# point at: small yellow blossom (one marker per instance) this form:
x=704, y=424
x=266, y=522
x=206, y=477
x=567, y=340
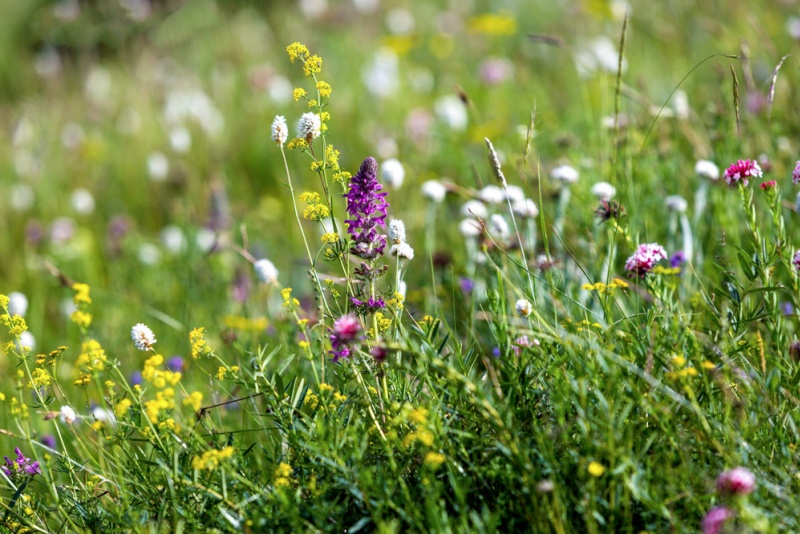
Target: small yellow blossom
x=708, y=365
x=680, y=361
x=492, y=24
x=330, y=238
x=81, y=294
x=309, y=197
x=297, y=51
x=596, y=469
x=81, y=318
x=419, y=416
x=299, y=93
x=4, y=300
x=312, y=65
x=324, y=89
x=122, y=407
x=211, y=459
x=195, y=400
x=316, y=212
x=198, y=342
x=40, y=378
x=297, y=143
x=434, y=460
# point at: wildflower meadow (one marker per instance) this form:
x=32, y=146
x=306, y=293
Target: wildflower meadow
x=387, y=266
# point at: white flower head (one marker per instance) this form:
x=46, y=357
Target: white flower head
x=68, y=415
x=676, y=203
x=470, y=228
x=434, y=190
x=499, y=226
x=143, y=338
x=492, y=194
x=17, y=304
x=451, y=111
x=515, y=194
x=266, y=271
x=180, y=139
x=393, y=173
x=173, y=239
x=397, y=231
x=82, y=201
x=26, y=341
x=604, y=191
x=402, y=251
x=565, y=174
x=527, y=208
x=707, y=169
x=157, y=166
x=280, y=132
x=524, y=307
x=309, y=126
x=474, y=208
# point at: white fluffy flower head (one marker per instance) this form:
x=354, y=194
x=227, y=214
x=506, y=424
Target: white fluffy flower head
x=676, y=203
x=280, y=132
x=499, y=226
x=527, y=208
x=604, y=191
x=68, y=415
x=524, y=307
x=397, y=231
x=266, y=271
x=474, y=208
x=393, y=173
x=17, y=303
x=143, y=338
x=402, y=251
x=492, y=194
x=565, y=174
x=434, y=190
x=707, y=169
x=309, y=126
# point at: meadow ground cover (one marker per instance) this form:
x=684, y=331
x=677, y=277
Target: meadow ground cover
x=386, y=266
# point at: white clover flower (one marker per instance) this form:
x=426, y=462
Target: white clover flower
x=707, y=169
x=499, y=226
x=402, y=251
x=180, y=139
x=604, y=191
x=527, y=208
x=17, y=304
x=280, y=132
x=68, y=415
x=82, y=201
x=492, y=194
x=524, y=307
x=266, y=271
x=434, y=190
x=143, y=338
x=676, y=203
x=470, y=228
x=515, y=194
x=393, y=173
x=309, y=126
x=397, y=231
x=565, y=174
x=474, y=208
x=157, y=167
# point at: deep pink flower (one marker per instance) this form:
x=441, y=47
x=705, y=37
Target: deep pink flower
x=715, y=518
x=343, y=334
x=769, y=184
x=645, y=258
x=737, y=481
x=742, y=170
x=796, y=174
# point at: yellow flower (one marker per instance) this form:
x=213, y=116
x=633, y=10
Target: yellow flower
x=708, y=365
x=316, y=212
x=680, y=361
x=596, y=469
x=40, y=378
x=211, y=459
x=195, y=400
x=122, y=407
x=313, y=65
x=330, y=238
x=434, y=460
x=419, y=416
x=324, y=89
x=81, y=294
x=299, y=93
x=309, y=197
x=198, y=342
x=297, y=51
x=4, y=300
x=492, y=24
x=81, y=318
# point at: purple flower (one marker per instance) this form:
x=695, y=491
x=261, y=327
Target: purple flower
x=787, y=308
x=366, y=206
x=343, y=334
x=741, y=171
x=796, y=174
x=48, y=440
x=645, y=258
x=370, y=305
x=466, y=284
x=796, y=261
x=737, y=481
x=496, y=352
x=677, y=259
x=20, y=465
x=176, y=364
x=715, y=518
x=136, y=378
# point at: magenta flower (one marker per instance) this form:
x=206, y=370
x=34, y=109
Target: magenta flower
x=343, y=334
x=768, y=185
x=645, y=258
x=20, y=465
x=796, y=261
x=742, y=170
x=715, y=518
x=737, y=481
x=796, y=174
x=366, y=206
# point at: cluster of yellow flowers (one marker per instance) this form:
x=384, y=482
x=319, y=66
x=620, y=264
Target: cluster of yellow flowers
x=158, y=377
x=82, y=301
x=283, y=475
x=602, y=288
x=92, y=359
x=211, y=459
x=198, y=341
x=316, y=210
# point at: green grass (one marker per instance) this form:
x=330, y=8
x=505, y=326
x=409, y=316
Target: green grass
x=607, y=409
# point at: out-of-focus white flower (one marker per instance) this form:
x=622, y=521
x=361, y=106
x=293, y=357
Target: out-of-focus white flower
x=393, y=173
x=149, y=254
x=62, y=229
x=474, y=208
x=381, y=76
x=793, y=27
x=280, y=132
x=82, y=201
x=68, y=307
x=676, y=203
x=157, y=166
x=104, y=415
x=173, y=239
x=470, y=228
x=400, y=21
x=98, y=85
x=366, y=6
x=72, y=135
x=21, y=197
x=313, y=9
x=48, y=63
x=514, y=194
x=604, y=191
x=492, y=194
x=180, y=139
x=452, y=112
x=707, y=169
x=397, y=231
x=68, y=415
x=599, y=54
x=524, y=307
x=434, y=190
x=280, y=89
x=527, y=208
x=266, y=271
x=565, y=174
x=680, y=103
x=498, y=226
x=26, y=341
x=17, y=303
x=206, y=239
x=403, y=251
x=143, y=338
x=309, y=126
x=183, y=104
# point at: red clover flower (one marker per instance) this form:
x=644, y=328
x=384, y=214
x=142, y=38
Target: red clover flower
x=737, y=481
x=715, y=518
x=645, y=258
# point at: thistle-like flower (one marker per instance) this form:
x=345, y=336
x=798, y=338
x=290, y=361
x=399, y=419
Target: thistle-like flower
x=742, y=170
x=397, y=231
x=143, y=338
x=737, y=481
x=676, y=203
x=366, y=206
x=280, y=132
x=403, y=251
x=344, y=333
x=715, y=518
x=645, y=258
x=796, y=261
x=309, y=126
